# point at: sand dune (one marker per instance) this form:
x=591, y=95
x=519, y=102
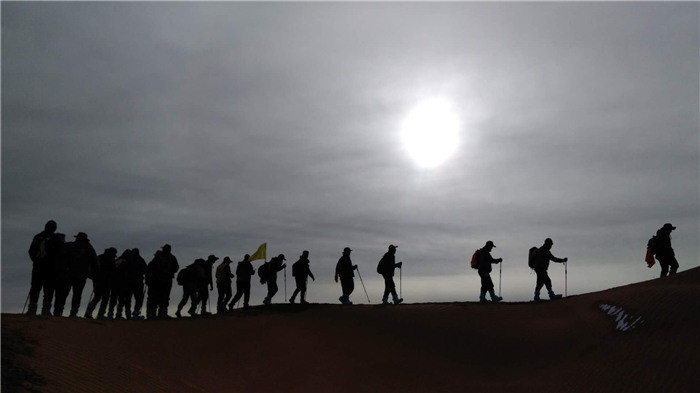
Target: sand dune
x=571, y=345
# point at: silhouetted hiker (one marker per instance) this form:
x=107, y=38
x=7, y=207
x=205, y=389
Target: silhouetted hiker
x=542, y=258
x=135, y=274
x=202, y=290
x=663, y=250
x=223, y=284
x=244, y=271
x=386, y=267
x=119, y=287
x=344, y=270
x=484, y=262
x=101, y=275
x=159, y=277
x=301, y=272
x=192, y=277
x=276, y=264
x=78, y=256
x=43, y=251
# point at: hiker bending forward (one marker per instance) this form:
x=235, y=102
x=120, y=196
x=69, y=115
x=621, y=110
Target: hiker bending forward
x=276, y=265
x=244, y=271
x=544, y=255
x=386, y=268
x=484, y=262
x=301, y=273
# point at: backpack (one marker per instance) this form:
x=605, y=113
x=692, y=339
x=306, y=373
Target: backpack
x=262, y=272
x=220, y=273
x=184, y=275
x=532, y=258
x=475, y=260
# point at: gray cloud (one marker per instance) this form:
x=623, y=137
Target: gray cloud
x=218, y=126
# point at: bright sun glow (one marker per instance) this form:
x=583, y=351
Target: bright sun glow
x=430, y=133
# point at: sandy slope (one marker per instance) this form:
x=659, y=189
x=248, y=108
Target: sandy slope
x=567, y=345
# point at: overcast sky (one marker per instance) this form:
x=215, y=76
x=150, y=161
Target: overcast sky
x=216, y=127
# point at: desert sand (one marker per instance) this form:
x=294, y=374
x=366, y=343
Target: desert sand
x=642, y=337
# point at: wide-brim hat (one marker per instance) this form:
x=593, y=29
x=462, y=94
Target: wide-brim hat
x=214, y=257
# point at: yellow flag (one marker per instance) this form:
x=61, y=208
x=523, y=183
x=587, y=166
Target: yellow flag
x=260, y=254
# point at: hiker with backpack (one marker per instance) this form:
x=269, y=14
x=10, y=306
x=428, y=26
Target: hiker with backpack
x=135, y=273
x=275, y=265
x=119, y=288
x=191, y=278
x=484, y=260
x=76, y=257
x=43, y=251
x=663, y=251
x=244, y=271
x=207, y=284
x=386, y=267
x=223, y=284
x=301, y=272
x=344, y=270
x=538, y=259
x=159, y=277
x=101, y=275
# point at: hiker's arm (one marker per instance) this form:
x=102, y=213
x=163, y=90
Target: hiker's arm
x=33, y=249
x=558, y=260
x=312, y=275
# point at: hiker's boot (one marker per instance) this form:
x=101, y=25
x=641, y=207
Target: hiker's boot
x=127, y=311
x=31, y=310
x=177, y=313
x=482, y=298
x=46, y=310
x=494, y=297
x=57, y=311
x=554, y=296
x=119, y=314
x=73, y=313
x=266, y=301
x=291, y=300
x=385, y=300
x=163, y=313
x=341, y=300
x=303, y=300
x=192, y=311
x=137, y=315
x=151, y=313
x=397, y=300
x=204, y=310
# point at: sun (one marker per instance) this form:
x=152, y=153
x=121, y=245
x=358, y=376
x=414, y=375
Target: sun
x=430, y=133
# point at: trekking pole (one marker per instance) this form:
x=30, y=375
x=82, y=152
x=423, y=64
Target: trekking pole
x=26, y=301
x=566, y=279
x=285, y=284
x=363, y=284
x=401, y=281
x=500, y=271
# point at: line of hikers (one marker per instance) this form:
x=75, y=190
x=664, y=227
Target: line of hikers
x=60, y=267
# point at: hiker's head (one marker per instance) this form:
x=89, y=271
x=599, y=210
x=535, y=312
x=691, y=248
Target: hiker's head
x=246, y=257
x=489, y=245
x=227, y=260
x=166, y=248
x=212, y=258
x=135, y=252
x=346, y=250
x=668, y=227
x=126, y=253
x=111, y=251
x=81, y=236
x=548, y=242
x=392, y=249
x=50, y=226
x=281, y=257
x=305, y=254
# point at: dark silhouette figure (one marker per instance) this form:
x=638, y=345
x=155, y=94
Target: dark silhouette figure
x=344, y=270
x=544, y=255
x=76, y=258
x=119, y=287
x=244, y=271
x=301, y=272
x=135, y=273
x=276, y=265
x=191, y=278
x=43, y=252
x=223, y=284
x=386, y=268
x=159, y=278
x=60, y=275
x=101, y=275
x=202, y=290
x=664, y=252
x=484, y=262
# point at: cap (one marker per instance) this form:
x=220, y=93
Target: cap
x=347, y=249
x=668, y=225
x=166, y=246
x=227, y=259
x=212, y=256
x=81, y=235
x=392, y=246
x=281, y=256
x=490, y=243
